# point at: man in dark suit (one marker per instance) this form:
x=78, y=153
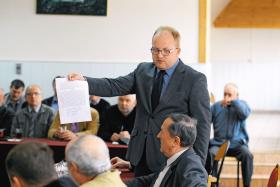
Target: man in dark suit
x=183, y=90
x=183, y=167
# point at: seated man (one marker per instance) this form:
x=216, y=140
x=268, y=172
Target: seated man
x=31, y=164
x=183, y=167
x=14, y=100
x=89, y=163
x=229, y=121
x=72, y=130
x=119, y=119
x=6, y=115
x=52, y=101
x=35, y=119
x=101, y=105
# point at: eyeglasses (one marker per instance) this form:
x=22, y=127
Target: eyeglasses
x=164, y=51
x=35, y=94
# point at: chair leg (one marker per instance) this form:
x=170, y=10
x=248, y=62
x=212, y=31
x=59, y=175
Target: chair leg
x=238, y=163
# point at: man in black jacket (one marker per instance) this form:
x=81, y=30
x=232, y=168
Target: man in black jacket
x=6, y=115
x=119, y=120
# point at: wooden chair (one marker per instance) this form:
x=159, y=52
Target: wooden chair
x=213, y=178
x=232, y=158
x=274, y=177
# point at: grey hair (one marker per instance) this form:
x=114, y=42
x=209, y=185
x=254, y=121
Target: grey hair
x=92, y=158
x=174, y=32
x=231, y=84
x=184, y=127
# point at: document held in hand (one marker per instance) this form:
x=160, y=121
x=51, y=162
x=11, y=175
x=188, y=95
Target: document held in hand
x=73, y=100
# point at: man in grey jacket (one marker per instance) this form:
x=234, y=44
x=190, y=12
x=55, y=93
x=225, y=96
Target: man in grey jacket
x=162, y=87
x=34, y=119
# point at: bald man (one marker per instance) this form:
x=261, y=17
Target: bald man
x=34, y=119
x=89, y=163
x=229, y=121
x=119, y=119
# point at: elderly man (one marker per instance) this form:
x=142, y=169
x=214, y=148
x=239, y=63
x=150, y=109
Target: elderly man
x=6, y=115
x=31, y=164
x=14, y=100
x=89, y=163
x=229, y=121
x=183, y=167
x=119, y=120
x=34, y=119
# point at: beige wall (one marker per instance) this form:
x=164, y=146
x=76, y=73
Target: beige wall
x=124, y=35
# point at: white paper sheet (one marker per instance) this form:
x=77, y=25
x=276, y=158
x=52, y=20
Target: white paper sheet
x=73, y=101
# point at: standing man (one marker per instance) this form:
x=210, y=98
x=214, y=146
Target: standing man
x=14, y=99
x=229, y=121
x=162, y=87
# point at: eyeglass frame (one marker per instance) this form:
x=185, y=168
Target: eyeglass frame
x=164, y=51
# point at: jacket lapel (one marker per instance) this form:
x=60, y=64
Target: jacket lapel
x=148, y=86
x=175, y=81
x=173, y=167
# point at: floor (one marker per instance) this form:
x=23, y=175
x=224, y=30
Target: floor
x=264, y=131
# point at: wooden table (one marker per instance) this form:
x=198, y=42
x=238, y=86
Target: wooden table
x=57, y=147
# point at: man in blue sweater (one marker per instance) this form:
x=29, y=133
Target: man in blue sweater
x=229, y=121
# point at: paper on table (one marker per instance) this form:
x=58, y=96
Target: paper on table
x=73, y=100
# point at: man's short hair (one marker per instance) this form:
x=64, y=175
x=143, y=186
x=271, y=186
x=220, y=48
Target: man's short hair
x=17, y=83
x=32, y=162
x=184, y=127
x=91, y=160
x=173, y=31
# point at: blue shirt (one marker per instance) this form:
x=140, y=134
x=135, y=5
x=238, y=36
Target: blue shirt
x=167, y=75
x=230, y=123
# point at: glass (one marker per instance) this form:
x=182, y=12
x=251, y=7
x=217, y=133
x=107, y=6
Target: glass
x=164, y=51
x=18, y=133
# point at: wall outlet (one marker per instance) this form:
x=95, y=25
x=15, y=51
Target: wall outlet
x=18, y=69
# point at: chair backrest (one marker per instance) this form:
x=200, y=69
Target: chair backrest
x=219, y=157
x=274, y=177
x=222, y=151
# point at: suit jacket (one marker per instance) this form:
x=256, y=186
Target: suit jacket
x=185, y=93
x=115, y=121
x=186, y=171
x=43, y=120
x=87, y=127
x=6, y=119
